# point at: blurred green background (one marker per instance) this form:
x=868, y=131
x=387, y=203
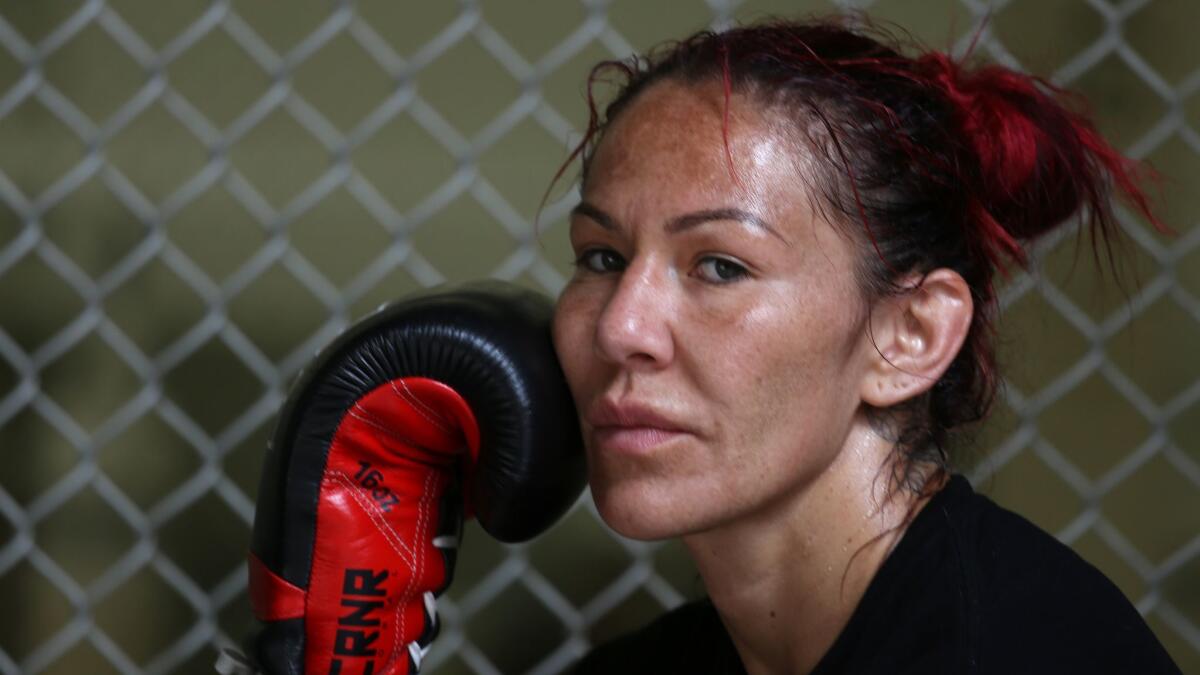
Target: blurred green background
x=196, y=195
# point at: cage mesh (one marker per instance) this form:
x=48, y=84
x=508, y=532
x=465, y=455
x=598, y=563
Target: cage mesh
x=155, y=311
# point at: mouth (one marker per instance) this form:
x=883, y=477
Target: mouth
x=633, y=440
x=632, y=427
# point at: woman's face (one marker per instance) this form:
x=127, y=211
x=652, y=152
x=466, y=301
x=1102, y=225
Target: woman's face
x=713, y=336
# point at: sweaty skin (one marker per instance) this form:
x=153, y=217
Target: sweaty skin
x=719, y=302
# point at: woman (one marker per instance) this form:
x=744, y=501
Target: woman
x=781, y=314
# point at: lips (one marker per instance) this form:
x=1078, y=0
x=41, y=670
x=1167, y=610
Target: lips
x=632, y=427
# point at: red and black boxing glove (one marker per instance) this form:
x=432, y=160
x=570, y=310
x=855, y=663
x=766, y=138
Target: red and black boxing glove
x=440, y=405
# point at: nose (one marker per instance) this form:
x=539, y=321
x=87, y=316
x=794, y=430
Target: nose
x=633, y=330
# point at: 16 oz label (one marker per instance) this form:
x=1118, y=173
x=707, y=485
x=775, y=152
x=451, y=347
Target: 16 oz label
x=371, y=480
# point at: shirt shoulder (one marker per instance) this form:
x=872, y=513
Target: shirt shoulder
x=970, y=588
x=1039, y=607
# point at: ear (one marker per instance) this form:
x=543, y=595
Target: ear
x=916, y=336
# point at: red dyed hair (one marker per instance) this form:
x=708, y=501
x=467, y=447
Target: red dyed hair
x=939, y=164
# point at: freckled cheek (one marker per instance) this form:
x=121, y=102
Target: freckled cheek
x=782, y=364
x=743, y=364
x=573, y=333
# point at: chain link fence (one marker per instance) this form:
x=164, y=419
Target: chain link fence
x=197, y=195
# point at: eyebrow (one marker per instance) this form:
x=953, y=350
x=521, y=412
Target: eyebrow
x=683, y=222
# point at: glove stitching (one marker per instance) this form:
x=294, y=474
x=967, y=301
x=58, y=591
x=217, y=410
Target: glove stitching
x=367, y=417
x=425, y=534
x=416, y=563
x=422, y=519
x=376, y=515
x=385, y=529
x=404, y=595
x=419, y=406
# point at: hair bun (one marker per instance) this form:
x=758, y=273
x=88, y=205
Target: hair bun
x=1038, y=160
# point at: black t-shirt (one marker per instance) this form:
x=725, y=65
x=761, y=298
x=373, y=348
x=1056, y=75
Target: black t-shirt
x=970, y=588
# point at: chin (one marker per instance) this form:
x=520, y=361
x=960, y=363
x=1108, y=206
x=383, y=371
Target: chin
x=637, y=510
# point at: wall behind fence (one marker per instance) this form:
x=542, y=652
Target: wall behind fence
x=195, y=196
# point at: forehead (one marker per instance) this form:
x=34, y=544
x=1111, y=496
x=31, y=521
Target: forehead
x=668, y=149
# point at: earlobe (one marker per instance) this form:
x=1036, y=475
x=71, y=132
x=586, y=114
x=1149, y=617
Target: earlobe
x=916, y=337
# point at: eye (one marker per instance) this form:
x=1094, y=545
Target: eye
x=721, y=270
x=601, y=260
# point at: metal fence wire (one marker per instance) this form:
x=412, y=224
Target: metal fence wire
x=198, y=195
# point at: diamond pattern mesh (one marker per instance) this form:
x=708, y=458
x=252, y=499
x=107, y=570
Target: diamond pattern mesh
x=197, y=195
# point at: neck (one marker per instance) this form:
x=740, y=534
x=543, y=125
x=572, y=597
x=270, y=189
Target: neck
x=785, y=580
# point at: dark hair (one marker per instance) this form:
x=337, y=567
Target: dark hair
x=941, y=165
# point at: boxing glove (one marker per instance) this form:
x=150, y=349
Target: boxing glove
x=446, y=404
